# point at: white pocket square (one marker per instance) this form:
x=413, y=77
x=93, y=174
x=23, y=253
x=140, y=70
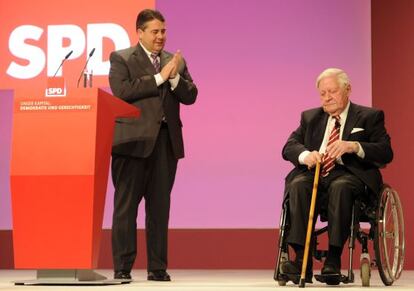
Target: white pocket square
x=356, y=129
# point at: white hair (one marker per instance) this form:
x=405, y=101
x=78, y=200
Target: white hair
x=340, y=75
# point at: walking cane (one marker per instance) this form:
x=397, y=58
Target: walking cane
x=310, y=224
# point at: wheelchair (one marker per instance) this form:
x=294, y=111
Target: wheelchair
x=385, y=217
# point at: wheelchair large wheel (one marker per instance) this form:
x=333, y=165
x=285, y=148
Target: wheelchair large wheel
x=389, y=240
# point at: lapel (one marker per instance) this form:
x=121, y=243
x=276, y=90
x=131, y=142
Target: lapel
x=142, y=60
x=164, y=58
x=351, y=120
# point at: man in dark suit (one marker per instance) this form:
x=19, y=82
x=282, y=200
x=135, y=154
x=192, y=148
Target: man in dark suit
x=146, y=150
x=352, y=144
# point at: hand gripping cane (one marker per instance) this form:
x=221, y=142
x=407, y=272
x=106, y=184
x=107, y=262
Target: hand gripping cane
x=310, y=224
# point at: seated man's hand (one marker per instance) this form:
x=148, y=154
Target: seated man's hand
x=340, y=147
x=312, y=158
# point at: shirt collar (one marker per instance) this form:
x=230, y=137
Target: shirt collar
x=147, y=51
x=343, y=115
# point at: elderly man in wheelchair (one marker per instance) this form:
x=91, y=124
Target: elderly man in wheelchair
x=351, y=143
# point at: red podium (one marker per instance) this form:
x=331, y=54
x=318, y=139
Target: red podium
x=59, y=171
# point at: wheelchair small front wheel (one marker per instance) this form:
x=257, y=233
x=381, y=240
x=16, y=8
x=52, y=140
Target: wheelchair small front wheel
x=365, y=273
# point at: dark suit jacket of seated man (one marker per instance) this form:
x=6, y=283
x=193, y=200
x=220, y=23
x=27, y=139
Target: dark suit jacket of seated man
x=362, y=148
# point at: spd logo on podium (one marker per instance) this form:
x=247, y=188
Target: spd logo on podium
x=55, y=87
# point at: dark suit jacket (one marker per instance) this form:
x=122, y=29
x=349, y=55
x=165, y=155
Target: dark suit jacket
x=131, y=78
x=373, y=138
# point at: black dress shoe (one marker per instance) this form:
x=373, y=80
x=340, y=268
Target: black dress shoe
x=122, y=275
x=331, y=273
x=158, y=275
x=293, y=270
x=330, y=269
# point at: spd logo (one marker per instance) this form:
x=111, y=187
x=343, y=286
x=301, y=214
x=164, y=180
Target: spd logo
x=55, y=87
x=37, y=35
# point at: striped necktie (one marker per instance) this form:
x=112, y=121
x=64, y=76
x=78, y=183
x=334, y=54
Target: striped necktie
x=155, y=62
x=328, y=163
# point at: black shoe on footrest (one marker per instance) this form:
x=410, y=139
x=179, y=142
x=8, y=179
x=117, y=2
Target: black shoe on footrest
x=331, y=273
x=330, y=269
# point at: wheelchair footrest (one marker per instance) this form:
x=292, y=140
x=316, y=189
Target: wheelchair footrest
x=332, y=279
x=294, y=278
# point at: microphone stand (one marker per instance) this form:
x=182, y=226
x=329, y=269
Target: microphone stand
x=85, y=74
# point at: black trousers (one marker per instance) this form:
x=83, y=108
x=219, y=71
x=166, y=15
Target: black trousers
x=151, y=178
x=336, y=192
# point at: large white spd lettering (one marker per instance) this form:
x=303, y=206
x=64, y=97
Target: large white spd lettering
x=20, y=49
x=36, y=58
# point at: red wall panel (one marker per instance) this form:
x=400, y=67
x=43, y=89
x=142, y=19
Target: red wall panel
x=393, y=91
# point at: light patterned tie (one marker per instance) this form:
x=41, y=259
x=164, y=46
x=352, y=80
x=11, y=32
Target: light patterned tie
x=328, y=163
x=155, y=62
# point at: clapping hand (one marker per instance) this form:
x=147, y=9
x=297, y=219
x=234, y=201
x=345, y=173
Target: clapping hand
x=169, y=71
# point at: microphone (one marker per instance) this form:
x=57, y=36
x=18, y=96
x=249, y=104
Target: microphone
x=66, y=57
x=87, y=61
x=91, y=53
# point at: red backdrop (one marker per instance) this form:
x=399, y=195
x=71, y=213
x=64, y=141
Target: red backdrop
x=393, y=91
